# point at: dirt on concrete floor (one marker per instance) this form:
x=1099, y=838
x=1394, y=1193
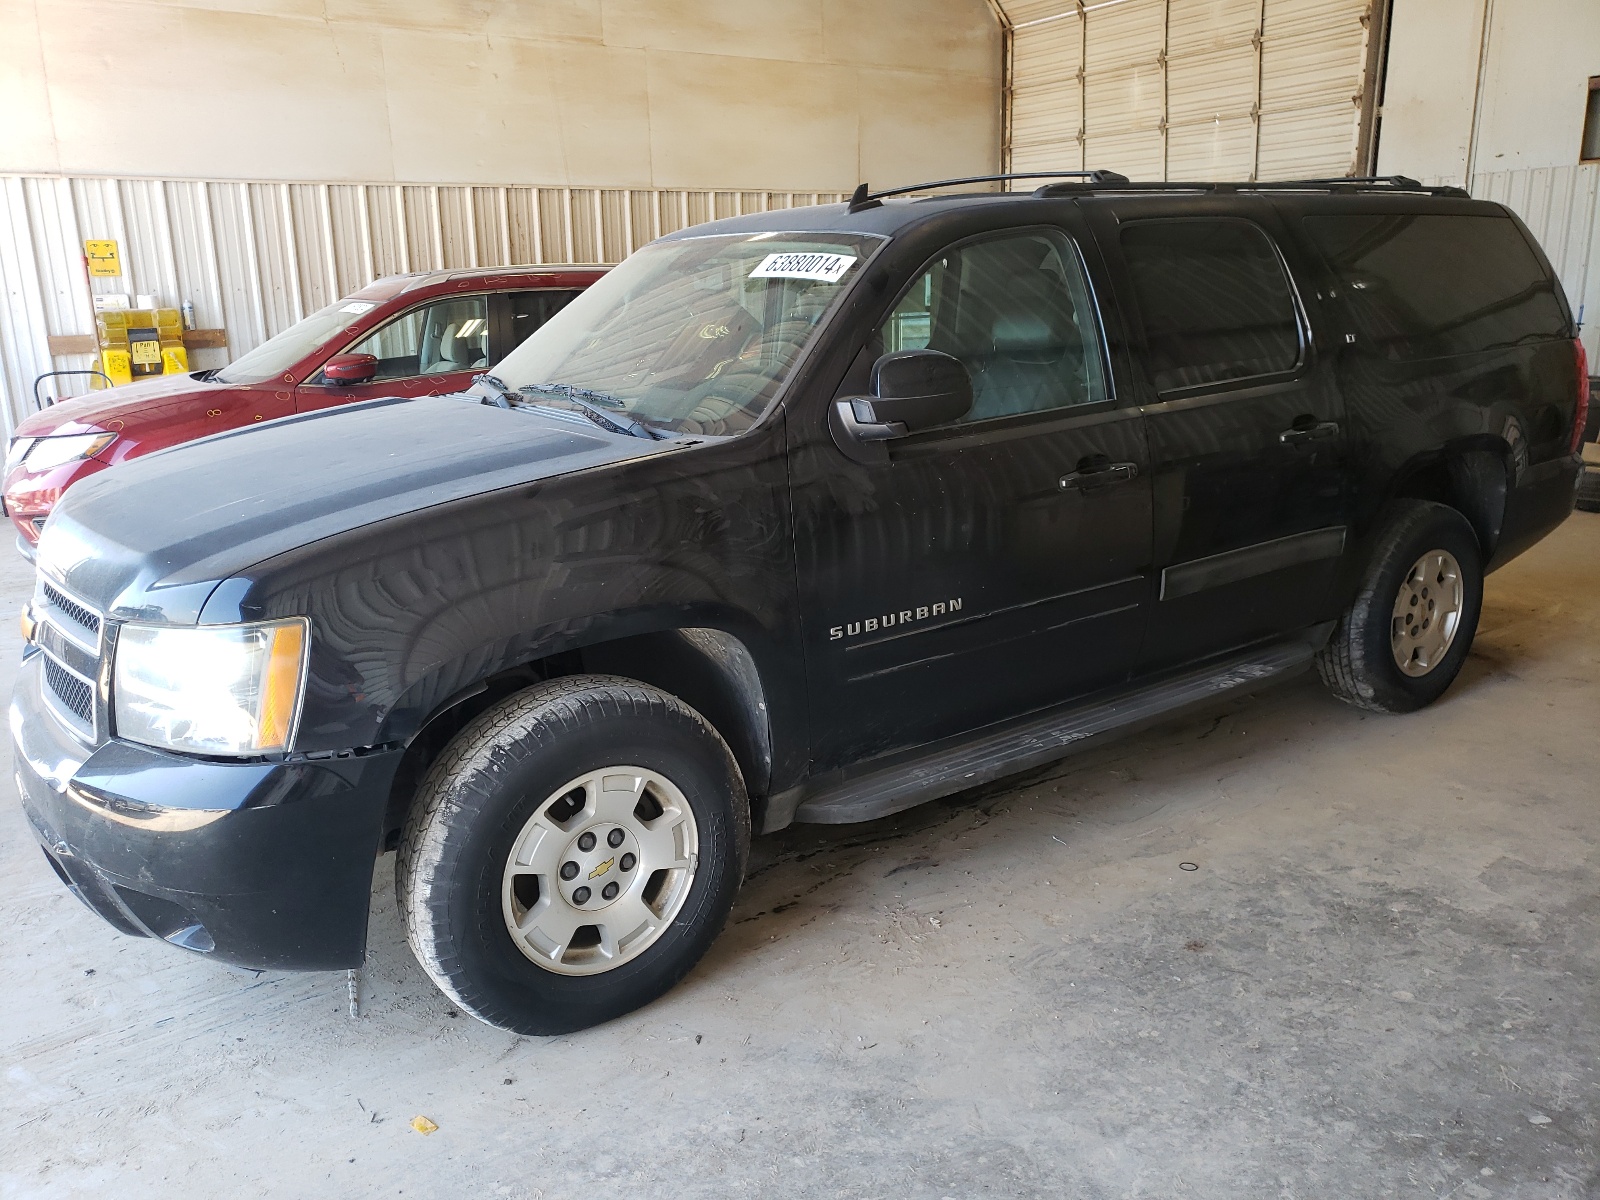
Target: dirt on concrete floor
x=1380, y=980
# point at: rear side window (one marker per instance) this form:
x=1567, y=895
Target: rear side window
x=1214, y=300
x=1429, y=286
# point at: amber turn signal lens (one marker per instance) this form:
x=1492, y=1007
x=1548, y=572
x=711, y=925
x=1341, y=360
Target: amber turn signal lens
x=282, y=691
x=28, y=623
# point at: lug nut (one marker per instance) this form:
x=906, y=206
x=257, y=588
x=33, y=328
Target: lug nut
x=586, y=842
x=627, y=862
x=609, y=891
x=569, y=870
x=581, y=896
x=614, y=838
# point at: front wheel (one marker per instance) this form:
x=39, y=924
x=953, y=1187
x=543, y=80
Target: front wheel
x=1402, y=641
x=572, y=854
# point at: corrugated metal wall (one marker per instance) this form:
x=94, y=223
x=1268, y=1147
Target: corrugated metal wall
x=256, y=257
x=1186, y=89
x=1561, y=206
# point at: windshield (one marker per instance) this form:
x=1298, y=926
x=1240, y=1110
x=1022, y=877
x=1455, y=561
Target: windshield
x=692, y=336
x=277, y=354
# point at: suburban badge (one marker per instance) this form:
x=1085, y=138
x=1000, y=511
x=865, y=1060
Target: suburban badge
x=906, y=616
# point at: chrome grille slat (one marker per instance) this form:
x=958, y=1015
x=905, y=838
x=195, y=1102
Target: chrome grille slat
x=81, y=615
x=70, y=638
x=73, y=695
x=69, y=653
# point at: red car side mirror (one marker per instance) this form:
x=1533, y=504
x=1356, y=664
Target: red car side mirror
x=350, y=368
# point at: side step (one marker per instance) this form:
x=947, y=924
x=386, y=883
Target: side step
x=879, y=789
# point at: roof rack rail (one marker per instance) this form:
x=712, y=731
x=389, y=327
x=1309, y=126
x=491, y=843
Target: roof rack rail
x=1343, y=183
x=862, y=198
x=1071, y=183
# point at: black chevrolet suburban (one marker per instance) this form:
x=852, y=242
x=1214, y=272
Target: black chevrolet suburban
x=809, y=515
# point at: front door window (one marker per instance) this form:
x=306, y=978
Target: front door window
x=1016, y=310
x=436, y=339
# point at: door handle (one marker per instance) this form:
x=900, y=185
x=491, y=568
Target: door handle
x=1310, y=432
x=1094, y=476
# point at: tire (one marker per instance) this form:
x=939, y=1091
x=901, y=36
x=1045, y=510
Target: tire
x=1361, y=662
x=533, y=777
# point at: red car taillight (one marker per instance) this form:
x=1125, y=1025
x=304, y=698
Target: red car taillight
x=1581, y=418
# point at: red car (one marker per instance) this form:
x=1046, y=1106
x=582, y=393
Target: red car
x=402, y=335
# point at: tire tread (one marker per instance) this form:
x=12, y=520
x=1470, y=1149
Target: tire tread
x=1345, y=664
x=540, y=713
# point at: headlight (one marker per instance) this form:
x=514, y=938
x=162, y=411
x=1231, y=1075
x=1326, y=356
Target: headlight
x=17, y=451
x=47, y=452
x=227, y=689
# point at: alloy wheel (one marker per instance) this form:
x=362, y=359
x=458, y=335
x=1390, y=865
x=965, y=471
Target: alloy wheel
x=599, y=871
x=1427, y=613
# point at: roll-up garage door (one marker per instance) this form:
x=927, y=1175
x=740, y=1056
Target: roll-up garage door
x=1187, y=89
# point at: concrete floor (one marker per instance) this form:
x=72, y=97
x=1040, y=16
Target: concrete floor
x=1381, y=981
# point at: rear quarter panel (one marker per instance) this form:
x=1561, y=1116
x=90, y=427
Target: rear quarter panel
x=1514, y=403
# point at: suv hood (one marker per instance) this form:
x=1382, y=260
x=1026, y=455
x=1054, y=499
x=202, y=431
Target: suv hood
x=152, y=538
x=115, y=409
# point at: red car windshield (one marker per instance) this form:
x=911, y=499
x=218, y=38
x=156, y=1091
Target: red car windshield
x=277, y=354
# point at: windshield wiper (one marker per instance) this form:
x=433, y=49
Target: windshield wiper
x=499, y=394
x=576, y=397
x=572, y=392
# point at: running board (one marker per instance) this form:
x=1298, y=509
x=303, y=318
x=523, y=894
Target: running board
x=865, y=794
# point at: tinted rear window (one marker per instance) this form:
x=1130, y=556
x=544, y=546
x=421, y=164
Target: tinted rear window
x=1214, y=300
x=1429, y=286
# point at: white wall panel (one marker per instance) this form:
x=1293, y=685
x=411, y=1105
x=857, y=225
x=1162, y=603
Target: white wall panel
x=1187, y=89
x=1216, y=149
x=194, y=259
x=311, y=245
x=385, y=230
x=241, y=304
x=272, y=235
x=256, y=257
x=1561, y=206
x=1313, y=61
x=23, y=320
x=1201, y=26
x=351, y=243
x=1047, y=95
x=1138, y=153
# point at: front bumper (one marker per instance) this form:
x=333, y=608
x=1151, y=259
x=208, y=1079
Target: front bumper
x=261, y=864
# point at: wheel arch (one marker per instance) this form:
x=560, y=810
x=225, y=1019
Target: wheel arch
x=1472, y=476
x=710, y=669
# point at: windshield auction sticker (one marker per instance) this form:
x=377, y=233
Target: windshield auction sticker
x=826, y=268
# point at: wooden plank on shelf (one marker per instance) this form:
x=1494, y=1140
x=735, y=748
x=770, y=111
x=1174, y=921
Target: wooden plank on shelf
x=72, y=343
x=84, y=343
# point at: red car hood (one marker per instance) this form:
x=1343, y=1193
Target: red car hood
x=117, y=409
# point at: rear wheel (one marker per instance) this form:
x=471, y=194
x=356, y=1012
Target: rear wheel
x=1402, y=641
x=572, y=854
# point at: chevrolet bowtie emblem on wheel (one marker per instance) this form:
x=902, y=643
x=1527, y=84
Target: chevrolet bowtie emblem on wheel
x=601, y=869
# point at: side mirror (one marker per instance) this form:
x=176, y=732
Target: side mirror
x=911, y=390
x=350, y=368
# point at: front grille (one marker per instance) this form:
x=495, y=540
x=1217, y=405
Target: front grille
x=74, y=693
x=69, y=636
x=84, y=618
